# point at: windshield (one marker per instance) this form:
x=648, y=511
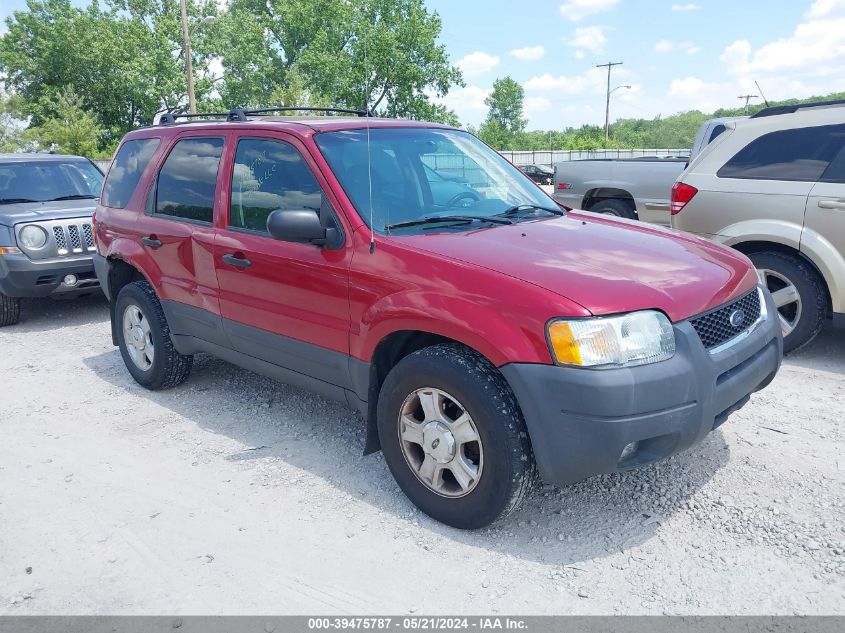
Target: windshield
x=424, y=173
x=46, y=180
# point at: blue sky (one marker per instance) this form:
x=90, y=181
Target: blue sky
x=677, y=55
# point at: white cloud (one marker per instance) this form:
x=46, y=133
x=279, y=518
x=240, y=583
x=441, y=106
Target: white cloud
x=534, y=105
x=825, y=8
x=815, y=47
x=576, y=10
x=477, y=63
x=588, y=38
x=685, y=7
x=592, y=81
x=665, y=46
x=529, y=53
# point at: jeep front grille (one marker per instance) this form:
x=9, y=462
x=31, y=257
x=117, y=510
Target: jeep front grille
x=73, y=236
x=714, y=328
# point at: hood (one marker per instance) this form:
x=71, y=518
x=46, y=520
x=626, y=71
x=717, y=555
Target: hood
x=605, y=264
x=11, y=214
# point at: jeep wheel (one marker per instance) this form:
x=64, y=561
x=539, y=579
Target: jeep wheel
x=798, y=293
x=10, y=310
x=619, y=208
x=144, y=339
x=454, y=438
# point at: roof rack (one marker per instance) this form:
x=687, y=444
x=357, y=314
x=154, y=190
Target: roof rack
x=789, y=109
x=169, y=118
x=361, y=113
x=241, y=114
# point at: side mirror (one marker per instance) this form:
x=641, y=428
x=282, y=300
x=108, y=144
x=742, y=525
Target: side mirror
x=300, y=225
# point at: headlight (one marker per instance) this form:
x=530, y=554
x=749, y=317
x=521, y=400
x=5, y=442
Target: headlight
x=631, y=339
x=32, y=237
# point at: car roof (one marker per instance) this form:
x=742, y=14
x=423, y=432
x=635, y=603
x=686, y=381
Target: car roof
x=37, y=156
x=303, y=125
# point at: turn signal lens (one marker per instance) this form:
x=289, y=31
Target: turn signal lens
x=9, y=250
x=564, y=345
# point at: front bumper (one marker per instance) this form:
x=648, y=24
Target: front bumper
x=580, y=420
x=23, y=277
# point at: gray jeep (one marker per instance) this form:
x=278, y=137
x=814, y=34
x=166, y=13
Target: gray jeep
x=46, y=237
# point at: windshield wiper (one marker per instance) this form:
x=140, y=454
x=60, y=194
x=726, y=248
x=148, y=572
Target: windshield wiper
x=519, y=208
x=76, y=196
x=434, y=219
x=16, y=200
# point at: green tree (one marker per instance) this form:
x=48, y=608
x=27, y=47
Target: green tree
x=67, y=126
x=350, y=53
x=124, y=60
x=505, y=122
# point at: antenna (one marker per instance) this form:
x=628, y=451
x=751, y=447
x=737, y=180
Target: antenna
x=369, y=154
x=760, y=90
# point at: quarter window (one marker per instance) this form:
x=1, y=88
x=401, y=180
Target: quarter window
x=126, y=170
x=269, y=175
x=802, y=154
x=188, y=179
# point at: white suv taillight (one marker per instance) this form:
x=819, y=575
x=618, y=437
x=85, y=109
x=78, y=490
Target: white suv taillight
x=681, y=194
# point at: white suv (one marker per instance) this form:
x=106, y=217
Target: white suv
x=773, y=187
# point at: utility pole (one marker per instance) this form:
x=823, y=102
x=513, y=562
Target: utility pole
x=609, y=66
x=186, y=51
x=747, y=99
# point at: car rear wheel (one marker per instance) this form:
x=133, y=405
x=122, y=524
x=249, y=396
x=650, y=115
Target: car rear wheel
x=798, y=293
x=10, y=310
x=619, y=208
x=144, y=339
x=454, y=438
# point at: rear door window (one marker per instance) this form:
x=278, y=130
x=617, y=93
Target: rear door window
x=126, y=170
x=188, y=179
x=802, y=154
x=269, y=175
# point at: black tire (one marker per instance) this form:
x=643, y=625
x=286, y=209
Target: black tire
x=169, y=368
x=508, y=471
x=613, y=206
x=810, y=289
x=10, y=310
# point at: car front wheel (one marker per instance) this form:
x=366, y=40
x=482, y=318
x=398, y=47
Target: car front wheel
x=10, y=310
x=454, y=438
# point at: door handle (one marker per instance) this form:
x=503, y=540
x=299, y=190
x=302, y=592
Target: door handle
x=239, y=262
x=151, y=241
x=832, y=204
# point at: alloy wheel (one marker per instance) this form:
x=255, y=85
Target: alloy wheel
x=440, y=442
x=138, y=337
x=786, y=297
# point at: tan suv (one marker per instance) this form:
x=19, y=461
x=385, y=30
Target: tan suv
x=773, y=187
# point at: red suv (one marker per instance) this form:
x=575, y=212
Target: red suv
x=483, y=332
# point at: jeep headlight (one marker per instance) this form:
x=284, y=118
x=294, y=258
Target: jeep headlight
x=32, y=237
x=638, y=338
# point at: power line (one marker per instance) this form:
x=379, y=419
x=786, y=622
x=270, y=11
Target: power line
x=609, y=66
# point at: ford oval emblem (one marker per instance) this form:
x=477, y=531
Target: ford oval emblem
x=737, y=318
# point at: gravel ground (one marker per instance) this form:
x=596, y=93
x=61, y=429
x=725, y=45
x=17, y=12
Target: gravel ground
x=234, y=494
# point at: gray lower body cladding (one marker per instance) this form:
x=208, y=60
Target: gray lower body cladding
x=23, y=277
x=581, y=421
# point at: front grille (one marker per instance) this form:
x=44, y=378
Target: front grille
x=61, y=242
x=89, y=236
x=73, y=236
x=714, y=328
x=75, y=242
